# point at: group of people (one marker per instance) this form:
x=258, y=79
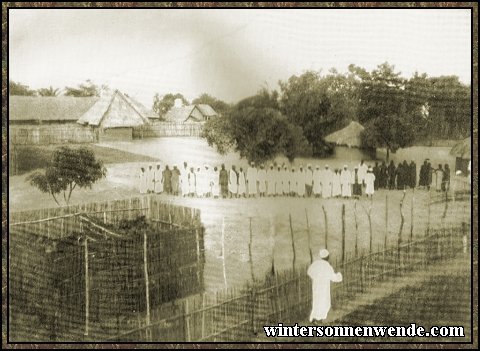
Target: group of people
x=274, y=180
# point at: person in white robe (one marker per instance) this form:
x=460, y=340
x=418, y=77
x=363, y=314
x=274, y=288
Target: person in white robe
x=336, y=184
x=142, y=181
x=327, y=182
x=191, y=182
x=262, y=181
x=215, y=179
x=369, y=182
x=207, y=181
x=271, y=177
x=157, y=178
x=362, y=172
x=184, y=185
x=309, y=180
x=242, y=187
x=439, y=178
x=233, y=182
x=199, y=182
x=322, y=274
x=346, y=182
x=150, y=179
x=317, y=181
x=286, y=181
x=251, y=178
x=293, y=182
x=279, y=181
x=301, y=182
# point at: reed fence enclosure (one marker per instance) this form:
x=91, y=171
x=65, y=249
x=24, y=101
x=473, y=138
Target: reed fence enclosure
x=168, y=129
x=89, y=272
x=239, y=313
x=51, y=134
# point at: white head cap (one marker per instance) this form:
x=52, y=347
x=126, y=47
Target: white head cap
x=458, y=172
x=323, y=253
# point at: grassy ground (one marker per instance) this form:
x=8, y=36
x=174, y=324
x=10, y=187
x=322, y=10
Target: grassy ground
x=33, y=157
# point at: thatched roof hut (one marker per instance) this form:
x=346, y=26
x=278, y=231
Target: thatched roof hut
x=348, y=136
x=462, y=149
x=190, y=113
x=47, y=109
x=115, y=110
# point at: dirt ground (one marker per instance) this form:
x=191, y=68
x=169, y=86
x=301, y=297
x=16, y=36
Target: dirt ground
x=270, y=224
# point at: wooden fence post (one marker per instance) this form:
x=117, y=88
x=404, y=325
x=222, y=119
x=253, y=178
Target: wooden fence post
x=250, y=251
x=87, y=288
x=343, y=233
x=309, y=238
x=386, y=222
x=356, y=227
x=326, y=226
x=187, y=320
x=223, y=253
x=274, y=236
x=293, y=242
x=145, y=269
x=411, y=214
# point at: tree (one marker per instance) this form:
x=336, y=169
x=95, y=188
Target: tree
x=48, y=91
x=17, y=88
x=391, y=132
x=306, y=102
x=218, y=105
x=257, y=130
x=84, y=90
x=70, y=168
x=161, y=105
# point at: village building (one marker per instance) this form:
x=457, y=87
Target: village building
x=348, y=143
x=190, y=113
x=114, y=116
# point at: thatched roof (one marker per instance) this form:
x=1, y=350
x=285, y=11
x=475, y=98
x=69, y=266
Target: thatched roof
x=179, y=114
x=48, y=108
x=349, y=136
x=182, y=114
x=141, y=108
x=462, y=149
x=114, y=110
x=207, y=110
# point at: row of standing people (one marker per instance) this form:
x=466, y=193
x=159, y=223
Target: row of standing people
x=276, y=180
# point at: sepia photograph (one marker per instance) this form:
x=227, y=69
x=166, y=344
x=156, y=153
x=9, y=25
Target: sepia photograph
x=240, y=175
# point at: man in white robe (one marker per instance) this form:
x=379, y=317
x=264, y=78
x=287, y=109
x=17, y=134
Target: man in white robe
x=317, y=181
x=157, y=178
x=262, y=181
x=233, y=182
x=286, y=181
x=191, y=182
x=301, y=182
x=252, y=180
x=271, y=176
x=370, y=182
x=150, y=179
x=321, y=273
x=242, y=188
x=327, y=182
x=293, y=182
x=215, y=179
x=346, y=182
x=362, y=172
x=184, y=186
x=279, y=181
x=199, y=182
x=309, y=180
x=142, y=185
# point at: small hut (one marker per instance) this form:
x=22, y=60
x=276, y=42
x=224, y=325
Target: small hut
x=348, y=144
x=462, y=153
x=114, y=116
x=190, y=113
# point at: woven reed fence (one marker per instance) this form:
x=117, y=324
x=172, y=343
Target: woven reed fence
x=51, y=134
x=168, y=129
x=240, y=314
x=90, y=272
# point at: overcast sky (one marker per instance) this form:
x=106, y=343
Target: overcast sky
x=229, y=54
